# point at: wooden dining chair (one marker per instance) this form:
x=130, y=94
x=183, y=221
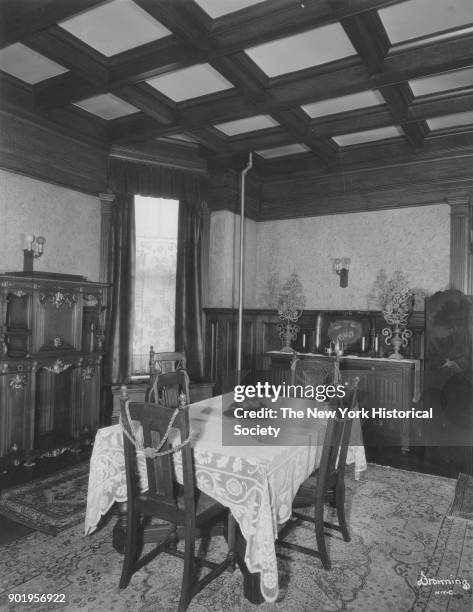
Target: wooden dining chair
x=183, y=508
x=325, y=484
x=160, y=364
x=306, y=372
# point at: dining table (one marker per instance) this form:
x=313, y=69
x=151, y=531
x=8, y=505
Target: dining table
x=256, y=480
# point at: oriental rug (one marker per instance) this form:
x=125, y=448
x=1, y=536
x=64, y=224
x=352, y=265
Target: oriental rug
x=49, y=504
x=401, y=542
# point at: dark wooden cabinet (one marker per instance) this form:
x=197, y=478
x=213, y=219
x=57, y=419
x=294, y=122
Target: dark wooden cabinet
x=51, y=334
x=384, y=383
x=448, y=381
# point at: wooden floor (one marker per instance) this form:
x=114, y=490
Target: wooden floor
x=416, y=460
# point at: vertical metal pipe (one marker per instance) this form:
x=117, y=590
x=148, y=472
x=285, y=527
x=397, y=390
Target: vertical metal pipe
x=240, y=279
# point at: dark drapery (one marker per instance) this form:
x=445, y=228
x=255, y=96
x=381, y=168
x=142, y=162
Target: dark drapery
x=127, y=179
x=188, y=329
x=155, y=181
x=120, y=315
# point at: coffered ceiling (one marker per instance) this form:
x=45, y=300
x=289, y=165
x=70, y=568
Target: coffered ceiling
x=306, y=85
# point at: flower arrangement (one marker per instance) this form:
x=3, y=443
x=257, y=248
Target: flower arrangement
x=394, y=296
x=291, y=300
x=290, y=305
x=396, y=300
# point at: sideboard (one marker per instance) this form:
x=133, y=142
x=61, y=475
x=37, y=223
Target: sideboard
x=261, y=334
x=51, y=349
x=384, y=383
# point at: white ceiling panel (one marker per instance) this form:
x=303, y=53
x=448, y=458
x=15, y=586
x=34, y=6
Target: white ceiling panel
x=27, y=65
x=250, y=124
x=447, y=121
x=107, y=106
x=346, y=140
x=363, y=99
x=182, y=138
x=442, y=82
x=115, y=27
x=189, y=83
x=416, y=18
x=282, y=151
x=300, y=51
x=217, y=8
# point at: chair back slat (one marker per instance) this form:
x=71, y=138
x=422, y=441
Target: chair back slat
x=336, y=442
x=154, y=419
x=170, y=361
x=168, y=387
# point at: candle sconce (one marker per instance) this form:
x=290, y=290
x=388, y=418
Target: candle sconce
x=33, y=249
x=341, y=267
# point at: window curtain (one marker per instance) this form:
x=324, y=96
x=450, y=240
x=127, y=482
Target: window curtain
x=122, y=278
x=127, y=178
x=188, y=328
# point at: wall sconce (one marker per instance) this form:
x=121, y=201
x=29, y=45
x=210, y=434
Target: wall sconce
x=341, y=267
x=33, y=249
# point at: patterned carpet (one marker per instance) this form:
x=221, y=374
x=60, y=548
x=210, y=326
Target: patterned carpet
x=402, y=542
x=51, y=504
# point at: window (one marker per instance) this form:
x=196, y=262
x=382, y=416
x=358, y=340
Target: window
x=155, y=278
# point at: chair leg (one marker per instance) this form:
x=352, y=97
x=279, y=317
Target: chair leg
x=320, y=536
x=340, y=499
x=187, y=577
x=131, y=551
x=231, y=539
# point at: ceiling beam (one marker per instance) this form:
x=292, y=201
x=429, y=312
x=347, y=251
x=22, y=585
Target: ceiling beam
x=369, y=38
x=305, y=86
x=21, y=18
x=251, y=82
x=210, y=139
x=68, y=51
x=264, y=21
x=175, y=16
x=281, y=18
x=151, y=102
x=351, y=75
x=367, y=34
x=260, y=140
x=17, y=99
x=380, y=116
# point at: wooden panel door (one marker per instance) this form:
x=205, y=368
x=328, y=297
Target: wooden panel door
x=17, y=393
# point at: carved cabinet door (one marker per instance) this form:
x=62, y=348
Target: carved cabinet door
x=17, y=401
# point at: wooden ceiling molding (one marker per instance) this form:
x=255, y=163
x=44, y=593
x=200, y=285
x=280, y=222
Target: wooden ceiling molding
x=305, y=160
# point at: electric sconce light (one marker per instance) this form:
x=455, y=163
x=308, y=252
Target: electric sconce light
x=341, y=267
x=34, y=248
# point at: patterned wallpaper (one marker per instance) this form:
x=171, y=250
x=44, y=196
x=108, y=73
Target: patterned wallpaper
x=414, y=240
x=69, y=220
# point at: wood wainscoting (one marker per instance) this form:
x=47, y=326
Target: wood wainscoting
x=261, y=334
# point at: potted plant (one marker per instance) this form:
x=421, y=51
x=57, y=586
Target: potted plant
x=290, y=305
x=396, y=300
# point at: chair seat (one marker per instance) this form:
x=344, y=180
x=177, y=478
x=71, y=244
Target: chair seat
x=306, y=494
x=206, y=508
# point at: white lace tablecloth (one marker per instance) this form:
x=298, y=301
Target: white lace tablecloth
x=257, y=483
